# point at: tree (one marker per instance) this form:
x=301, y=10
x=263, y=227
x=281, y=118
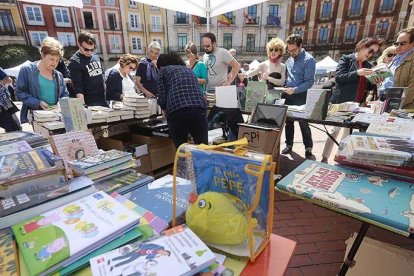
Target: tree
x=15, y=54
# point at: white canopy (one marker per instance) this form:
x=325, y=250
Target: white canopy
x=203, y=8
x=14, y=71
x=327, y=64
x=63, y=3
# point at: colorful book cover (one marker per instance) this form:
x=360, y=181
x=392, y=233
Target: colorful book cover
x=379, y=200
x=159, y=200
x=19, y=146
x=380, y=71
x=177, y=252
x=123, y=181
x=58, y=237
x=31, y=138
x=255, y=93
x=9, y=264
x=392, y=126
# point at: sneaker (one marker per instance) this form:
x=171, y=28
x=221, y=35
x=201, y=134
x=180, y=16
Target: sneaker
x=308, y=154
x=287, y=150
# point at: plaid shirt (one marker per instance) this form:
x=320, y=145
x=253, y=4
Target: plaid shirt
x=178, y=88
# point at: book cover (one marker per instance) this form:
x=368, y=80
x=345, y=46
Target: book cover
x=73, y=145
x=9, y=261
x=120, y=167
x=177, y=252
x=74, y=116
x=100, y=161
x=60, y=236
x=392, y=126
x=255, y=93
x=380, y=71
x=19, y=146
x=163, y=197
x=123, y=181
x=33, y=139
x=379, y=200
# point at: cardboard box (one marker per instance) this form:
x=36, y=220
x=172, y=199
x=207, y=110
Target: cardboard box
x=259, y=140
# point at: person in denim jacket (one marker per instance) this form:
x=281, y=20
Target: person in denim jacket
x=39, y=85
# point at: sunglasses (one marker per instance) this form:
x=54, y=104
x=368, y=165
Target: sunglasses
x=371, y=51
x=402, y=43
x=132, y=68
x=391, y=55
x=88, y=50
x=273, y=49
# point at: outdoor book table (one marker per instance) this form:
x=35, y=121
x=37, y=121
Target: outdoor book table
x=380, y=201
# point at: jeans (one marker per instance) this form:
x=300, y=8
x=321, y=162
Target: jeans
x=189, y=120
x=306, y=133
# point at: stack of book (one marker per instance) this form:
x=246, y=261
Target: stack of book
x=211, y=99
x=42, y=116
x=392, y=126
x=385, y=155
x=33, y=139
x=102, y=164
x=139, y=104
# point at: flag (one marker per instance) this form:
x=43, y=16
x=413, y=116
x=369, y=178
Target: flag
x=223, y=20
x=273, y=20
x=196, y=19
x=248, y=19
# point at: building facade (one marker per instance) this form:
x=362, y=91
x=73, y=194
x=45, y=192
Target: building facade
x=334, y=27
x=11, y=27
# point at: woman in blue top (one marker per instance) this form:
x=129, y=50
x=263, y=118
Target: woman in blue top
x=39, y=85
x=198, y=67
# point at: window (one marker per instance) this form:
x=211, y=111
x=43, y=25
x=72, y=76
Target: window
x=87, y=2
x=355, y=8
x=350, y=33
x=132, y=4
x=298, y=31
x=109, y=2
x=274, y=10
x=37, y=38
x=230, y=17
x=326, y=9
x=134, y=21
x=6, y=23
x=273, y=18
x=61, y=17
x=181, y=18
x=300, y=13
x=156, y=24
x=382, y=27
x=387, y=5
x=88, y=20
x=252, y=12
x=34, y=15
x=136, y=44
x=323, y=34
x=112, y=23
x=115, y=44
x=182, y=41
x=250, y=42
x=155, y=8
x=67, y=39
x=228, y=40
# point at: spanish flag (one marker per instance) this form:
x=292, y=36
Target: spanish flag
x=196, y=19
x=223, y=20
x=248, y=19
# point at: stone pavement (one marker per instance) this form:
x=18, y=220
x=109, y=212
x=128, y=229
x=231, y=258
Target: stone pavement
x=320, y=233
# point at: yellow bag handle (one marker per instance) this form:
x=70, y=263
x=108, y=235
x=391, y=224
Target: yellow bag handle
x=239, y=144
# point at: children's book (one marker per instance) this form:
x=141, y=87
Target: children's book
x=123, y=181
x=19, y=146
x=376, y=199
x=380, y=71
x=9, y=264
x=61, y=236
x=100, y=161
x=177, y=252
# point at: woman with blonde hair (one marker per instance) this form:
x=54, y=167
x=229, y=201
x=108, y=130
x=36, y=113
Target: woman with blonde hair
x=198, y=67
x=39, y=84
x=273, y=71
x=386, y=57
x=119, y=81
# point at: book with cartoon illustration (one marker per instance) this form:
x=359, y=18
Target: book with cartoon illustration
x=177, y=252
x=9, y=261
x=381, y=201
x=61, y=236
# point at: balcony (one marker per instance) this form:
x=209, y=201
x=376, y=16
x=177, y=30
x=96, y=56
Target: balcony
x=181, y=20
x=135, y=27
x=252, y=21
x=273, y=21
x=156, y=28
x=111, y=26
x=385, y=10
x=90, y=25
x=253, y=50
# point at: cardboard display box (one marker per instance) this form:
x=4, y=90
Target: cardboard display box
x=151, y=152
x=260, y=140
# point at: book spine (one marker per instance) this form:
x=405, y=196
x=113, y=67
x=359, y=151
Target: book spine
x=387, y=162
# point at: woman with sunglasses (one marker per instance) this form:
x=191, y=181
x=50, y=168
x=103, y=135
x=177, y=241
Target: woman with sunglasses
x=351, y=82
x=39, y=84
x=119, y=81
x=273, y=71
x=386, y=57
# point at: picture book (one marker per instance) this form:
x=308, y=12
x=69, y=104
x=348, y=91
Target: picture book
x=123, y=181
x=9, y=264
x=163, y=196
x=19, y=146
x=379, y=200
x=255, y=93
x=100, y=161
x=380, y=71
x=22, y=165
x=177, y=252
x=73, y=145
x=36, y=195
x=58, y=237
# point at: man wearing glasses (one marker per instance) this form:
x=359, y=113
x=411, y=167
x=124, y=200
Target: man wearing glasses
x=86, y=72
x=403, y=65
x=217, y=60
x=300, y=75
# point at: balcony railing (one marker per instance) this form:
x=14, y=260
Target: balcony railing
x=111, y=26
x=90, y=25
x=273, y=21
x=253, y=21
x=156, y=28
x=136, y=27
x=181, y=20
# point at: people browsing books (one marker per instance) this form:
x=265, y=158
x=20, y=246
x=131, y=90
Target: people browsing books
x=147, y=71
x=351, y=82
x=40, y=85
